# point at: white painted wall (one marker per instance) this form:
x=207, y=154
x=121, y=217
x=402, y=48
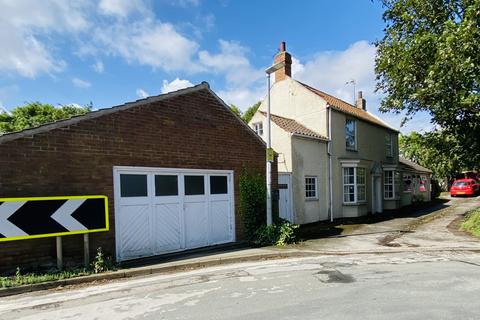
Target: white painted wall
x=281, y=142
x=292, y=100
x=309, y=159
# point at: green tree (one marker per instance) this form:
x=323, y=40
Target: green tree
x=435, y=150
x=236, y=110
x=429, y=59
x=248, y=115
x=252, y=202
x=35, y=114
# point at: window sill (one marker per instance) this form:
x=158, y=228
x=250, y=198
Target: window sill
x=311, y=199
x=353, y=204
x=351, y=150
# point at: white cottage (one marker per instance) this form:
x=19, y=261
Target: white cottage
x=335, y=159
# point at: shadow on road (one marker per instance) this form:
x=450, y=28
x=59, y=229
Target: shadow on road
x=341, y=227
x=188, y=254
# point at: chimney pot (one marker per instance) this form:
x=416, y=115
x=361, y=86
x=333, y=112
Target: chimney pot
x=361, y=103
x=284, y=56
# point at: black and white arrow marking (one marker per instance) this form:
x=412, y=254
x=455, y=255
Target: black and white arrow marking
x=64, y=215
x=44, y=217
x=8, y=229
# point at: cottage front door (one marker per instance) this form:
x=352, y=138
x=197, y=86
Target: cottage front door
x=377, y=205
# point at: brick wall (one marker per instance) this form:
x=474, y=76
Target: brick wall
x=193, y=130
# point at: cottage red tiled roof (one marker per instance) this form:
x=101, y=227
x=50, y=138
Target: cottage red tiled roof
x=345, y=107
x=294, y=127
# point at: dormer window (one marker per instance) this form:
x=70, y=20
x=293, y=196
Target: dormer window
x=258, y=127
x=351, y=134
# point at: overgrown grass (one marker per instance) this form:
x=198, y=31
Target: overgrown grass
x=100, y=263
x=471, y=223
x=30, y=278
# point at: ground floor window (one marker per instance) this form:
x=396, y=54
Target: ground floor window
x=423, y=183
x=391, y=184
x=354, y=185
x=407, y=182
x=311, y=188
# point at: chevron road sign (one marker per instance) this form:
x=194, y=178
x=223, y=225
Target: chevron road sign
x=39, y=217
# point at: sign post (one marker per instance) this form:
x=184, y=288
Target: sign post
x=59, y=253
x=86, y=250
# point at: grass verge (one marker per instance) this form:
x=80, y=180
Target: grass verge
x=31, y=278
x=471, y=223
x=100, y=264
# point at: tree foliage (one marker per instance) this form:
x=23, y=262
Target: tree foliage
x=429, y=59
x=435, y=150
x=236, y=110
x=35, y=114
x=248, y=115
x=252, y=202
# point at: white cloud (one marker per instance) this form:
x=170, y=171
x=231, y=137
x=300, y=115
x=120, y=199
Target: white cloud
x=297, y=67
x=142, y=93
x=121, y=8
x=150, y=43
x=232, y=61
x=243, y=98
x=243, y=81
x=98, y=67
x=23, y=22
x=185, y=3
x=175, y=85
x=329, y=71
x=79, y=83
x=3, y=109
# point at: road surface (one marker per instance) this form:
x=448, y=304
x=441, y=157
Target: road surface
x=423, y=279
x=392, y=286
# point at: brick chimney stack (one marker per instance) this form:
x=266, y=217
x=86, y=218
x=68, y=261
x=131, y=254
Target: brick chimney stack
x=361, y=103
x=283, y=55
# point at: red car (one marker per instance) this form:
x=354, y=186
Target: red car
x=468, y=187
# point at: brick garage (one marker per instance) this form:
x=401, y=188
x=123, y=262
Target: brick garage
x=190, y=128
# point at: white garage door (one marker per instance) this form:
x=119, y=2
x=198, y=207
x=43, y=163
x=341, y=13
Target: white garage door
x=160, y=210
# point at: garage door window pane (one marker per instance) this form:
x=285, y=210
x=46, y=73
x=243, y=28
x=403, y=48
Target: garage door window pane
x=194, y=185
x=166, y=185
x=218, y=185
x=133, y=185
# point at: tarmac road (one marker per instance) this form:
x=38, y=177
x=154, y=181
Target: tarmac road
x=389, y=286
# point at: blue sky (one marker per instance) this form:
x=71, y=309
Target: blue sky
x=113, y=51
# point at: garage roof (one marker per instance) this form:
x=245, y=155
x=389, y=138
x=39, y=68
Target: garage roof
x=98, y=113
